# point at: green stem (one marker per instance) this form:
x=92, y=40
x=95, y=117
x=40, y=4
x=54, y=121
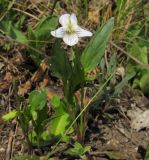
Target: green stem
x=82, y=124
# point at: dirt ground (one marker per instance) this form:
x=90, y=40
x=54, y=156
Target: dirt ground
x=109, y=132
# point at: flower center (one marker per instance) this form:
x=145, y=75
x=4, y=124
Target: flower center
x=70, y=28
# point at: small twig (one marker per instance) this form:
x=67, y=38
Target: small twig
x=9, y=146
x=15, y=132
x=26, y=13
x=97, y=153
x=130, y=56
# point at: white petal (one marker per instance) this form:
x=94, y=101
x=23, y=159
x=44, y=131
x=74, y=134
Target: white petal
x=83, y=33
x=58, y=33
x=64, y=19
x=70, y=39
x=73, y=19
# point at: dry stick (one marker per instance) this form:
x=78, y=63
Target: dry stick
x=130, y=56
x=9, y=146
x=13, y=142
x=26, y=13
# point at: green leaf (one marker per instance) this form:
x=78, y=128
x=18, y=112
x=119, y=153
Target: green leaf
x=32, y=37
x=94, y=51
x=20, y=22
x=144, y=83
x=38, y=38
x=38, y=110
x=123, y=83
x=78, y=76
x=11, y=115
x=37, y=100
x=13, y=32
x=35, y=43
x=60, y=65
x=55, y=101
x=45, y=26
x=147, y=153
x=60, y=121
x=76, y=79
x=140, y=53
x=34, y=115
x=115, y=155
x=78, y=149
x=112, y=64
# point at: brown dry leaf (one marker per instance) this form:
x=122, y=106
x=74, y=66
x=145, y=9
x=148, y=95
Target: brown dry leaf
x=51, y=92
x=17, y=59
x=85, y=100
x=45, y=82
x=24, y=88
x=4, y=86
x=139, y=119
x=8, y=77
x=40, y=72
x=6, y=81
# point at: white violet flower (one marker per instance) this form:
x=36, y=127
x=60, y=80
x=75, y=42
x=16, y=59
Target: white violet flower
x=70, y=32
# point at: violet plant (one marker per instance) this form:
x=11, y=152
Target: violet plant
x=74, y=72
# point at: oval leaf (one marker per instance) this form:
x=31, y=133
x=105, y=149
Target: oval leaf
x=11, y=115
x=94, y=51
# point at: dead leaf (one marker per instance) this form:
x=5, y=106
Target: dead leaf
x=6, y=81
x=8, y=77
x=115, y=155
x=85, y=100
x=45, y=82
x=139, y=119
x=24, y=88
x=17, y=59
x=38, y=75
x=51, y=92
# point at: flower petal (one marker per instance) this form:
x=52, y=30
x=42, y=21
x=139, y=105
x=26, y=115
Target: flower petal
x=58, y=33
x=73, y=19
x=83, y=33
x=64, y=19
x=70, y=39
